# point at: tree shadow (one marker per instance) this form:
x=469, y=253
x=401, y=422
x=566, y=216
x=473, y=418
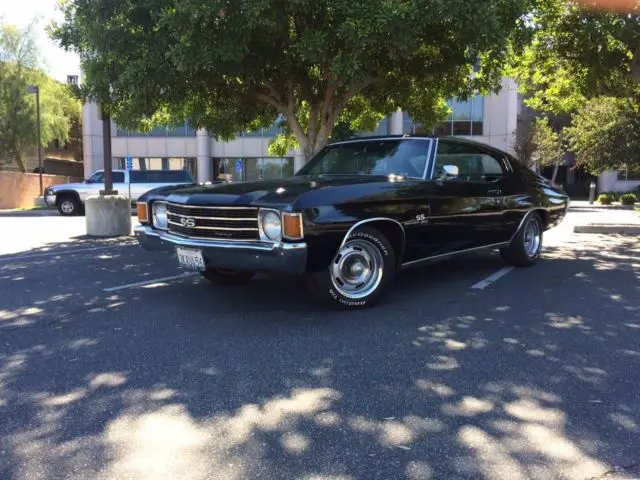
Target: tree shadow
x=536, y=377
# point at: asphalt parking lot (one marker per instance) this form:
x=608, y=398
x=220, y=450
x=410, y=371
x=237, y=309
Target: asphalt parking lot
x=114, y=364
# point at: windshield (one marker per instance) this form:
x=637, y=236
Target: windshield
x=97, y=177
x=403, y=157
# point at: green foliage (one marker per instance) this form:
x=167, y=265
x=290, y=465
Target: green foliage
x=58, y=108
x=604, y=199
x=574, y=53
x=614, y=196
x=628, y=199
x=548, y=142
x=228, y=65
x=604, y=135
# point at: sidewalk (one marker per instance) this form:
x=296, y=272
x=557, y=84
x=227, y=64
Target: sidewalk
x=607, y=219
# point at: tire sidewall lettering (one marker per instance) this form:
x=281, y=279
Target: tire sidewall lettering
x=349, y=303
x=373, y=240
x=363, y=302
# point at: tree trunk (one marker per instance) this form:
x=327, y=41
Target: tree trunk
x=21, y=165
x=556, y=166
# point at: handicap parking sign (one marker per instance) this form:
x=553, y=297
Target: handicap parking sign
x=239, y=166
x=129, y=163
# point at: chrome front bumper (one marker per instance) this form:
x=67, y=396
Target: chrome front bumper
x=280, y=257
x=50, y=200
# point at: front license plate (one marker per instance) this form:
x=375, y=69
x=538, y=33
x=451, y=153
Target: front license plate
x=191, y=259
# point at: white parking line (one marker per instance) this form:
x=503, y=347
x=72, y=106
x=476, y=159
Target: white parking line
x=482, y=284
x=16, y=257
x=148, y=283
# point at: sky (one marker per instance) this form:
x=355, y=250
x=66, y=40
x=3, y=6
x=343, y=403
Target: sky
x=56, y=62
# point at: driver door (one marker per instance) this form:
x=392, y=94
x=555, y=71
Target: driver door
x=470, y=203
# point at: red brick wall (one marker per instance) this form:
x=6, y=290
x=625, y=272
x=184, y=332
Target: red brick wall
x=19, y=190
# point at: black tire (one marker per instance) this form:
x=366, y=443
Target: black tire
x=520, y=252
x=68, y=206
x=326, y=287
x=227, y=277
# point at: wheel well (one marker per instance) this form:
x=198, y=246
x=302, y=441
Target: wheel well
x=544, y=216
x=66, y=194
x=394, y=232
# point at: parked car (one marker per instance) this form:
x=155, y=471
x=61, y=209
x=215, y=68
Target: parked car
x=355, y=214
x=70, y=197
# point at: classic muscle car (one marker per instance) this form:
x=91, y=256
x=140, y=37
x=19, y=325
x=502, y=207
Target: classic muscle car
x=355, y=214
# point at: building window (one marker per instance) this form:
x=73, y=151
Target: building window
x=158, y=163
x=628, y=175
x=247, y=169
x=181, y=131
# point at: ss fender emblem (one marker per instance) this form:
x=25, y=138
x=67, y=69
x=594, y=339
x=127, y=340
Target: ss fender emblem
x=421, y=218
x=188, y=222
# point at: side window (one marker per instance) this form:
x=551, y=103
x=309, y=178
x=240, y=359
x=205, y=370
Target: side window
x=97, y=177
x=474, y=165
x=136, y=176
x=118, y=177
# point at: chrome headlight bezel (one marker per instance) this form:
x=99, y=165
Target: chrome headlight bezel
x=270, y=225
x=160, y=219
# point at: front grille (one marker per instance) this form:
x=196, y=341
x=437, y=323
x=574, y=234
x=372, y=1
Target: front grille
x=214, y=223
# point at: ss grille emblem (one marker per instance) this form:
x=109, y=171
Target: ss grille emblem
x=188, y=222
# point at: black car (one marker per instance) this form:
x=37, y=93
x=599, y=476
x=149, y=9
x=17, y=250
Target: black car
x=355, y=214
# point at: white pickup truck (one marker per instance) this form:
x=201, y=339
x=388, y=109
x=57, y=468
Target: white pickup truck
x=70, y=197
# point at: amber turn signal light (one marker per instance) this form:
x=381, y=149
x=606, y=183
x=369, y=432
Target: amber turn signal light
x=292, y=225
x=143, y=215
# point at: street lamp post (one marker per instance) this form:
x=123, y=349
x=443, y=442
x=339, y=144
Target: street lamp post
x=35, y=89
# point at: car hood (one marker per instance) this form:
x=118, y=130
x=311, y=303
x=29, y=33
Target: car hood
x=66, y=186
x=302, y=191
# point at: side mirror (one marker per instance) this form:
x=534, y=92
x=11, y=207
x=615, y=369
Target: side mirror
x=449, y=172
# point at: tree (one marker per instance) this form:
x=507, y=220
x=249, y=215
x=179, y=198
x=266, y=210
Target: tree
x=19, y=62
x=524, y=146
x=230, y=66
x=604, y=135
x=574, y=52
x=549, y=145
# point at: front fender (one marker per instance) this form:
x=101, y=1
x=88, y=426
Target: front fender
x=327, y=228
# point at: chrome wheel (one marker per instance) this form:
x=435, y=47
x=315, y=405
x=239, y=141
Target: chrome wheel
x=532, y=238
x=67, y=206
x=356, y=270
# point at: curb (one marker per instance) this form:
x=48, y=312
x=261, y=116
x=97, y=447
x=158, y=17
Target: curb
x=597, y=206
x=610, y=228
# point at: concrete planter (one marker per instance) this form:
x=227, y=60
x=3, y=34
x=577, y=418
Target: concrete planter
x=108, y=216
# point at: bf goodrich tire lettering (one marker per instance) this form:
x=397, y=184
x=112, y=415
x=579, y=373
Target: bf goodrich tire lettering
x=360, y=273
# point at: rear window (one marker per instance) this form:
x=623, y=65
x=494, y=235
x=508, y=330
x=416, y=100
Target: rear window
x=161, y=176
x=118, y=177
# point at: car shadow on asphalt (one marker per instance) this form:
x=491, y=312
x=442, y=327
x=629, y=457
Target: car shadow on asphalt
x=536, y=377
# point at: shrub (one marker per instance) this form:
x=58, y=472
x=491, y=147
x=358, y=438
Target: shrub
x=613, y=196
x=628, y=199
x=604, y=199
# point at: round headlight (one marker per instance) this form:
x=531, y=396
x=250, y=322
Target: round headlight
x=160, y=215
x=271, y=226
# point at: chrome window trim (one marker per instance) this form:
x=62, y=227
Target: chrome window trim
x=433, y=161
x=430, y=157
x=369, y=220
x=381, y=139
x=293, y=214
